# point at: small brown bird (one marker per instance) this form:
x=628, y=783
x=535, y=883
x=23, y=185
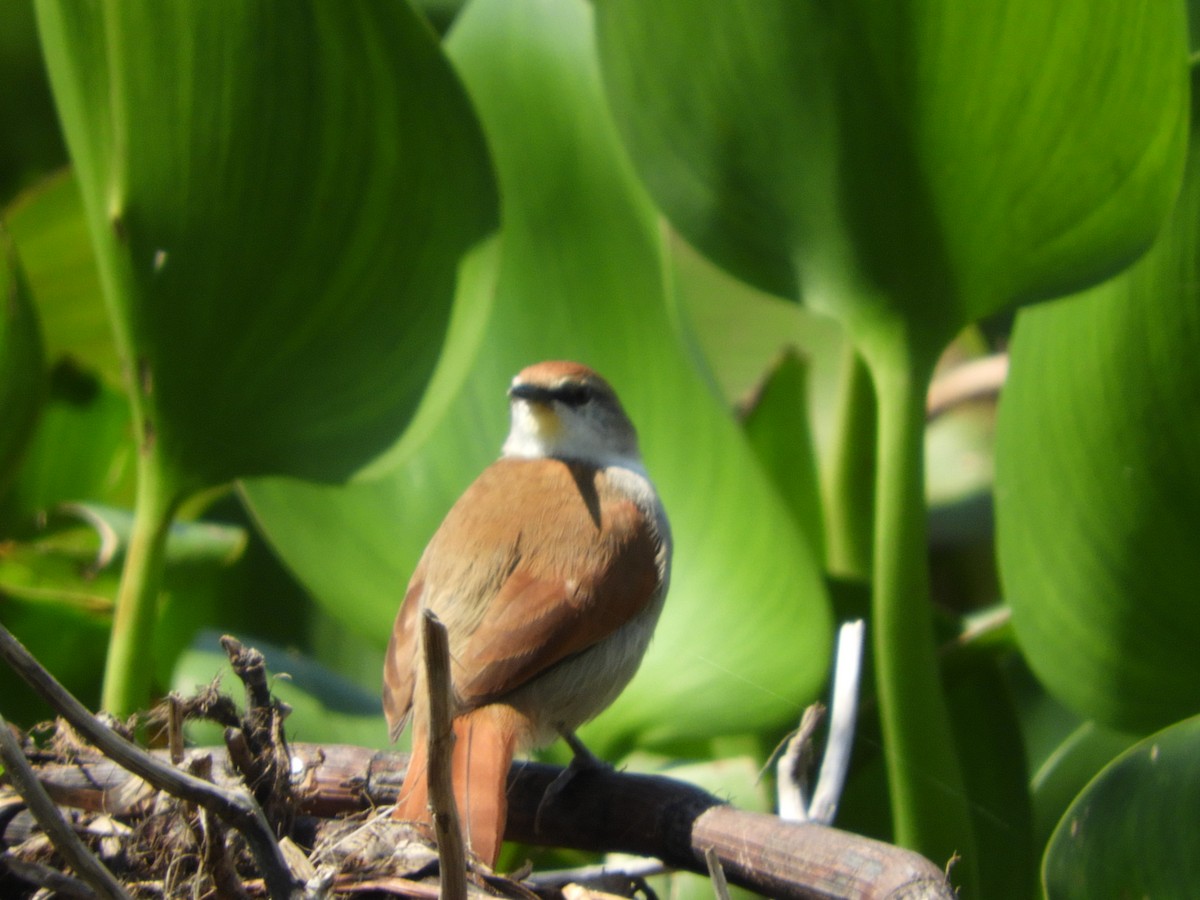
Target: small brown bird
x=549, y=574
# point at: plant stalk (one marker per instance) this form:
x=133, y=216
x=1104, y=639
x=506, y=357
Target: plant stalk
x=847, y=482
x=130, y=661
x=930, y=807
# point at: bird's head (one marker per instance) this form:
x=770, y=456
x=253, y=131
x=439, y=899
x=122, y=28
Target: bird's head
x=565, y=410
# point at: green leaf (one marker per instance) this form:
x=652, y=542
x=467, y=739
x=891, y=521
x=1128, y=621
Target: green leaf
x=744, y=639
x=1097, y=488
x=776, y=425
x=32, y=142
x=279, y=197
x=1129, y=833
x=938, y=160
x=50, y=228
x=1067, y=770
x=22, y=381
x=67, y=639
x=80, y=450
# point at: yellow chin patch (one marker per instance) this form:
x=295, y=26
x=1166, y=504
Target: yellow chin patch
x=549, y=426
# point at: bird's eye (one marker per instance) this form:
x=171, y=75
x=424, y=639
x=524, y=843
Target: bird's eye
x=573, y=394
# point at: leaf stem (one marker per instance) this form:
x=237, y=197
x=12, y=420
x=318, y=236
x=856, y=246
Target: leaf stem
x=930, y=807
x=127, y=671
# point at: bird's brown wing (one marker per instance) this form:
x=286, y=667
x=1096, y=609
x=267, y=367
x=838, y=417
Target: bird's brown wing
x=399, y=666
x=556, y=602
x=513, y=593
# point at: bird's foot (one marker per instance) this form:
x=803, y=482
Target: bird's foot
x=582, y=761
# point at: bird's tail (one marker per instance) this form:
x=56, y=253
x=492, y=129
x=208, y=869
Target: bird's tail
x=485, y=741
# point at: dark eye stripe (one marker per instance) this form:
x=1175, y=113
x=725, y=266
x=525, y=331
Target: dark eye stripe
x=573, y=394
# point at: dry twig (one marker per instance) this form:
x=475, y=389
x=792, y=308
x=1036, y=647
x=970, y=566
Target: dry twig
x=451, y=854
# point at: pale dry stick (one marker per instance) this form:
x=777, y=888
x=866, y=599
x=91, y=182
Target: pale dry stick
x=793, y=800
x=235, y=807
x=843, y=716
x=65, y=840
x=791, y=770
x=602, y=877
x=716, y=872
x=451, y=855
x=973, y=380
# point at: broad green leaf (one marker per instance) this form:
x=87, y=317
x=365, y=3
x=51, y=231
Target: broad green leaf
x=743, y=641
x=32, y=143
x=279, y=197
x=22, y=380
x=776, y=425
x=50, y=229
x=1097, y=489
x=935, y=159
x=1130, y=834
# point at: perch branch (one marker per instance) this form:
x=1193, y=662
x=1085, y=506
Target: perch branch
x=646, y=815
x=235, y=807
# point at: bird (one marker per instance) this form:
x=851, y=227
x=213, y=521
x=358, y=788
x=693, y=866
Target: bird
x=549, y=574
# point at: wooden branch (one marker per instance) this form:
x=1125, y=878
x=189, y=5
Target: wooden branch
x=235, y=807
x=65, y=840
x=646, y=815
x=451, y=855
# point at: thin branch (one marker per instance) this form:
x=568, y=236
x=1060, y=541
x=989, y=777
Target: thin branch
x=451, y=854
x=237, y=808
x=58, y=883
x=65, y=840
x=610, y=877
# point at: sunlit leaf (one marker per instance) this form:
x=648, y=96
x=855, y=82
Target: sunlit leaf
x=1097, y=489
x=50, y=229
x=938, y=159
x=279, y=197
